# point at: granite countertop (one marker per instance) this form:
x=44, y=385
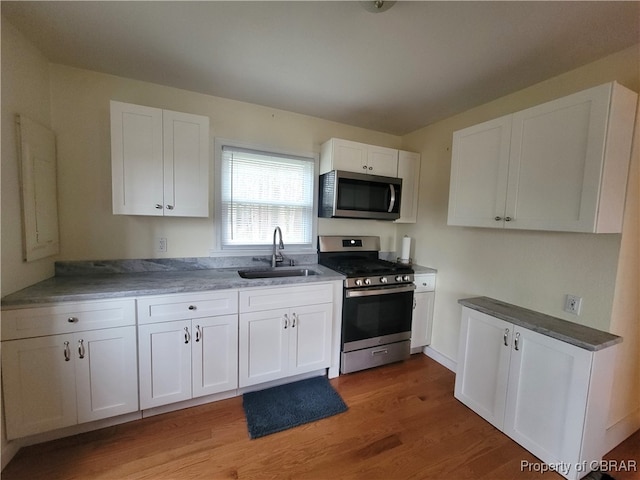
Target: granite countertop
x=96, y=286
x=569, y=332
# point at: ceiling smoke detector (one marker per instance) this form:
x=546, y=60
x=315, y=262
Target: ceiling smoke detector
x=377, y=6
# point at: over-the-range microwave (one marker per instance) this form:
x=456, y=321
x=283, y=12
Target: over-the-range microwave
x=357, y=195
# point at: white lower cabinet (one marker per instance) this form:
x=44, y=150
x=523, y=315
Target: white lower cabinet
x=282, y=342
x=187, y=358
x=546, y=394
x=422, y=320
x=56, y=381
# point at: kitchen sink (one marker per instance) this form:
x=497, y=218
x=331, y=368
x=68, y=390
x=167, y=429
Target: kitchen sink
x=276, y=272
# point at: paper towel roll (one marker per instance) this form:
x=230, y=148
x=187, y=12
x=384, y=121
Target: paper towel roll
x=406, y=250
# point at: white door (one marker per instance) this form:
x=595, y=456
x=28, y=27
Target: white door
x=164, y=351
x=421, y=325
x=186, y=164
x=263, y=346
x=483, y=365
x=548, y=385
x=106, y=373
x=479, y=173
x=409, y=172
x=38, y=384
x=136, y=159
x=382, y=161
x=310, y=342
x=215, y=354
x=556, y=160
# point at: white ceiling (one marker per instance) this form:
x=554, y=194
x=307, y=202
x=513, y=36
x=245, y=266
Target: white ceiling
x=393, y=71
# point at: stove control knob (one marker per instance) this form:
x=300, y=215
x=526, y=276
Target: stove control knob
x=398, y=278
x=358, y=282
x=367, y=281
x=383, y=280
x=406, y=278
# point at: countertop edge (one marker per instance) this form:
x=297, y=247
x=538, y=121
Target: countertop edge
x=573, y=333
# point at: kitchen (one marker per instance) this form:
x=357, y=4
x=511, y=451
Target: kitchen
x=74, y=102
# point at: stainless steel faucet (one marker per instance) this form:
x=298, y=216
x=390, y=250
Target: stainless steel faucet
x=276, y=257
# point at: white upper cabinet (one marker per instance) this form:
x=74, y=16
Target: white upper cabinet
x=159, y=161
x=409, y=172
x=559, y=166
x=339, y=154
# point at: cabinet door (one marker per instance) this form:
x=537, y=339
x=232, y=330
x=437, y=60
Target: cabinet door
x=164, y=351
x=186, y=164
x=348, y=156
x=409, y=172
x=263, y=346
x=38, y=383
x=546, y=402
x=215, y=355
x=483, y=365
x=382, y=161
x=136, y=159
x=556, y=162
x=479, y=173
x=310, y=338
x=106, y=373
x=422, y=321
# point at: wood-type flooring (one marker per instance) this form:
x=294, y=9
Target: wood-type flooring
x=403, y=423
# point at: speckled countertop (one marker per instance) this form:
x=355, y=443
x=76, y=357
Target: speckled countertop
x=569, y=332
x=133, y=284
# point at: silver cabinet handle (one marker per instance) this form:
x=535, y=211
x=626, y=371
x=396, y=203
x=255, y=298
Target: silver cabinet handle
x=384, y=351
x=507, y=219
x=286, y=321
x=158, y=206
x=187, y=335
x=72, y=319
x=192, y=307
x=81, y=348
x=198, y=333
x=506, y=337
x=370, y=168
x=293, y=322
x=67, y=352
x=517, y=341
x=169, y=207
x=364, y=167
x=497, y=219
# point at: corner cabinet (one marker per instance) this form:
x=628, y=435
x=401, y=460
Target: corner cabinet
x=558, y=166
x=67, y=364
x=284, y=331
x=159, y=162
x=339, y=154
x=549, y=396
x=188, y=346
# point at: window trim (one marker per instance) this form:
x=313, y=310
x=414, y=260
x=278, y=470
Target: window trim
x=245, y=250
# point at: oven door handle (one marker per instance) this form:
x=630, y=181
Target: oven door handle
x=392, y=201
x=380, y=291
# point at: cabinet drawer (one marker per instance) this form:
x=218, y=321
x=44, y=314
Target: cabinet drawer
x=285, y=297
x=67, y=318
x=425, y=282
x=165, y=308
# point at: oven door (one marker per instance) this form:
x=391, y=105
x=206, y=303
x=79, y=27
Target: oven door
x=376, y=316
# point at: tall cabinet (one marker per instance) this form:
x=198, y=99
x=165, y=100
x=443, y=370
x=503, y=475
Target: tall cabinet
x=559, y=166
x=159, y=161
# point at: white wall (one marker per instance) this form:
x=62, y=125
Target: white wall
x=531, y=269
x=80, y=117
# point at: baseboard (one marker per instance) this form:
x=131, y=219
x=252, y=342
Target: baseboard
x=620, y=431
x=9, y=451
x=440, y=358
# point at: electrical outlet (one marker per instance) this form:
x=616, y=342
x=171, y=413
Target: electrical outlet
x=161, y=244
x=572, y=304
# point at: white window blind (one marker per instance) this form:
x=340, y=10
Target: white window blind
x=261, y=190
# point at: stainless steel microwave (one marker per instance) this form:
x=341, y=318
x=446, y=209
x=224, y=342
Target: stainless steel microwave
x=357, y=195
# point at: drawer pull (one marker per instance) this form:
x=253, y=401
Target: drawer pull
x=187, y=335
x=517, y=341
x=192, y=307
x=506, y=337
x=72, y=319
x=383, y=351
x=81, y=348
x=67, y=352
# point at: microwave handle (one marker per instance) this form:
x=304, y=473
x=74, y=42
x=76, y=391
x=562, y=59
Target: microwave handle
x=392, y=201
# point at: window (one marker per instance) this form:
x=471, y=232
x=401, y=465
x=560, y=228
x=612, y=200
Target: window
x=262, y=190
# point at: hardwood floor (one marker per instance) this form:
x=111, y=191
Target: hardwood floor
x=402, y=423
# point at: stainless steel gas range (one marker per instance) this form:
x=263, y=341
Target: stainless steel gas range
x=377, y=302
